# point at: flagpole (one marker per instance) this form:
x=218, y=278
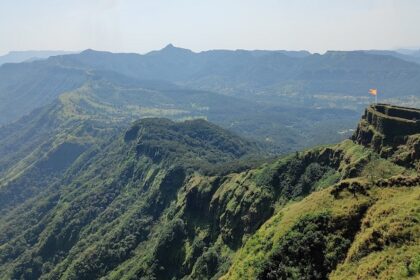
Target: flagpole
x=374, y=91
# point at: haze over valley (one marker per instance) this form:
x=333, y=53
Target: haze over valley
x=125, y=158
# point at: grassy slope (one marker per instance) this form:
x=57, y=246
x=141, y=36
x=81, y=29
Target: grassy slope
x=244, y=197
x=393, y=212
x=114, y=215
x=126, y=217
x=386, y=247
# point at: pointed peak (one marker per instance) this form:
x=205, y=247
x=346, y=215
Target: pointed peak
x=172, y=49
x=169, y=46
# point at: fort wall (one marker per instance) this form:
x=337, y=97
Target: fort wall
x=393, y=121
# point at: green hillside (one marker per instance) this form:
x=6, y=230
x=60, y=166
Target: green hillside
x=108, y=97
x=189, y=200
x=286, y=101
x=134, y=179
x=342, y=231
x=28, y=86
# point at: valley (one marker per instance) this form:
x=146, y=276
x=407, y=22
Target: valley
x=114, y=168
x=209, y=140
x=185, y=200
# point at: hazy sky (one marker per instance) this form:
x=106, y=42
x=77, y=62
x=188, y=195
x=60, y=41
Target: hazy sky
x=140, y=26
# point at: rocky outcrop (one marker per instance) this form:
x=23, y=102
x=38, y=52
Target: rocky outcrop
x=392, y=131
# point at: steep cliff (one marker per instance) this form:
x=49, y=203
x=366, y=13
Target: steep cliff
x=392, y=131
x=184, y=200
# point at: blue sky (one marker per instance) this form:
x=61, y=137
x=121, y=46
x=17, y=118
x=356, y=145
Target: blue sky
x=141, y=26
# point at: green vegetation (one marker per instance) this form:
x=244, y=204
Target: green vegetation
x=149, y=192
x=387, y=246
x=366, y=226
x=87, y=222
x=323, y=93
x=312, y=247
x=158, y=214
x=88, y=199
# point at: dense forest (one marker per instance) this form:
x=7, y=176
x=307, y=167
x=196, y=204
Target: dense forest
x=189, y=200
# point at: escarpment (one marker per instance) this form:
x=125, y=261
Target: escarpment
x=392, y=131
x=187, y=200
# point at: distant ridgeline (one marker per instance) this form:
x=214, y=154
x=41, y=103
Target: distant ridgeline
x=393, y=131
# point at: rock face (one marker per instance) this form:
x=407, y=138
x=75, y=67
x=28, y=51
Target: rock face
x=393, y=131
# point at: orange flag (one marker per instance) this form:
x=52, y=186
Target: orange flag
x=373, y=91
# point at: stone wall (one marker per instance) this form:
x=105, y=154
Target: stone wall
x=393, y=121
x=392, y=131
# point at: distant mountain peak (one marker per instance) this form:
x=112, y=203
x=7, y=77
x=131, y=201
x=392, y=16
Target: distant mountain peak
x=170, y=48
x=89, y=51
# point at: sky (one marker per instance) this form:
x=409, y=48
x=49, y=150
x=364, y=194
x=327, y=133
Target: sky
x=141, y=26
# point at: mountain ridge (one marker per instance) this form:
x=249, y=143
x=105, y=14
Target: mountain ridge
x=134, y=207
x=28, y=56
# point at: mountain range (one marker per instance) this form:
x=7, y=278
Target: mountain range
x=407, y=55
x=335, y=79
x=298, y=99
x=28, y=56
x=211, y=165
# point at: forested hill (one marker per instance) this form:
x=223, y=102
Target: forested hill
x=116, y=99
x=114, y=194
x=184, y=200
